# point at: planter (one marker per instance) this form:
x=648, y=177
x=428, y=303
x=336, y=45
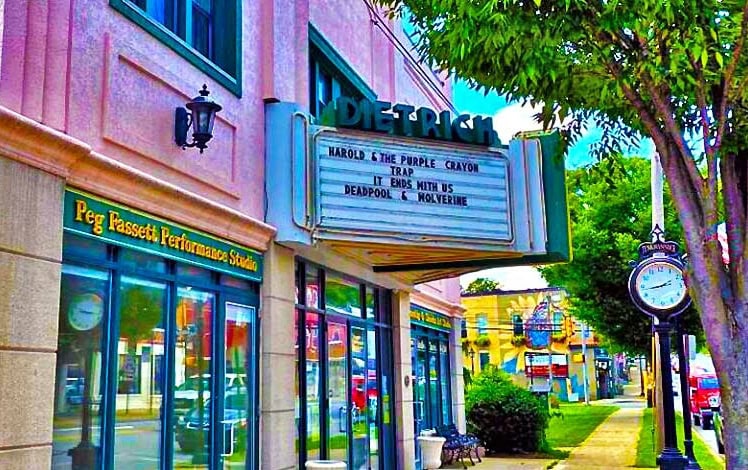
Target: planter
x=483, y=341
x=431, y=451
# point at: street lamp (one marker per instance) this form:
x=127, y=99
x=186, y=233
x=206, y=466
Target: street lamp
x=471, y=353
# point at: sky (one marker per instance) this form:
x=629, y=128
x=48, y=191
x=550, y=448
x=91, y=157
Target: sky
x=508, y=119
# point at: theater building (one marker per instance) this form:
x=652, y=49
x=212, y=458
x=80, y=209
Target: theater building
x=276, y=284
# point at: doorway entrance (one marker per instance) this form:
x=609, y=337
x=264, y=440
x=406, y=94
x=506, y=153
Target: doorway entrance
x=431, y=391
x=344, y=406
x=432, y=397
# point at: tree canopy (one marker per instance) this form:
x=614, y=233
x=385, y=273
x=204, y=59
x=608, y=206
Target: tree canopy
x=480, y=285
x=609, y=217
x=674, y=71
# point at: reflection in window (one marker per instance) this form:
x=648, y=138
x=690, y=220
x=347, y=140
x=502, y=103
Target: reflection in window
x=193, y=358
x=342, y=296
x=138, y=410
x=144, y=261
x=482, y=324
x=236, y=402
x=312, y=386
x=445, y=381
x=76, y=441
x=373, y=396
x=312, y=287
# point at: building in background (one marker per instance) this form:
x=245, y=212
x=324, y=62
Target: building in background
x=286, y=293
x=524, y=331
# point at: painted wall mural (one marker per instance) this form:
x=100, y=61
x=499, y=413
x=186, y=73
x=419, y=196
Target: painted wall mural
x=526, y=329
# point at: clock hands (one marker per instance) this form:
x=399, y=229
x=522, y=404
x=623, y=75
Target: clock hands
x=660, y=285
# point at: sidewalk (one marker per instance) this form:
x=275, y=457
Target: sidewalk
x=612, y=446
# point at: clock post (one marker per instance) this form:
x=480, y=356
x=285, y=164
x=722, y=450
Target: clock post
x=658, y=288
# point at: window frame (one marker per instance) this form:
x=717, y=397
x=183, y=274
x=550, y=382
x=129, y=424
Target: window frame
x=229, y=79
x=109, y=381
x=324, y=58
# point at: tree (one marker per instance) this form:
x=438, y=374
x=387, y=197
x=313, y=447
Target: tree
x=481, y=285
x=674, y=71
x=609, y=217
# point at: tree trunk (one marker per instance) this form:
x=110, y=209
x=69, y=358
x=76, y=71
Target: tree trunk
x=720, y=302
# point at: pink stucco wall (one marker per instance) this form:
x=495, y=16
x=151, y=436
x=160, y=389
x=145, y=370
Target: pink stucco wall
x=80, y=67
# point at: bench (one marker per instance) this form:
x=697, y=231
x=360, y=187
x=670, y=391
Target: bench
x=458, y=446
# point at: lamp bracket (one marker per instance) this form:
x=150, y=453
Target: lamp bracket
x=182, y=123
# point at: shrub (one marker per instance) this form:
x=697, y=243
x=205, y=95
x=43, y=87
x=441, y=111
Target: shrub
x=507, y=418
x=555, y=402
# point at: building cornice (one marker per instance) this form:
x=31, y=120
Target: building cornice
x=40, y=146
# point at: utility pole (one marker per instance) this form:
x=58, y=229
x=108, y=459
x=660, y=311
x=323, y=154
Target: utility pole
x=658, y=220
x=584, y=364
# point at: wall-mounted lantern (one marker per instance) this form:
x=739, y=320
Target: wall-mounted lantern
x=201, y=117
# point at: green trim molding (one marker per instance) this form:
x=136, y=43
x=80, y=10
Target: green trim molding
x=90, y=216
x=229, y=79
x=430, y=319
x=333, y=58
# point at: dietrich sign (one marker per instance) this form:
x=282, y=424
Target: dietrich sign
x=382, y=116
x=414, y=189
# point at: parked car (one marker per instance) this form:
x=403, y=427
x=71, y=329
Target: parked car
x=186, y=394
x=193, y=429
x=719, y=425
x=704, y=396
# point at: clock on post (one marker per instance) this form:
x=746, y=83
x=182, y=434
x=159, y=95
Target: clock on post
x=657, y=284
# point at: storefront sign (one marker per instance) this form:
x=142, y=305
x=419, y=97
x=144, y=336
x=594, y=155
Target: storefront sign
x=423, y=317
x=536, y=365
x=91, y=216
x=382, y=116
x=419, y=191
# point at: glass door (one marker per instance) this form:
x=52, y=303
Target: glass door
x=239, y=400
x=421, y=400
x=359, y=405
x=337, y=390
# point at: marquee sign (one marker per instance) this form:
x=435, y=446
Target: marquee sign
x=415, y=190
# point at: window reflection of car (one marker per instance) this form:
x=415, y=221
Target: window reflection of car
x=719, y=426
x=74, y=391
x=187, y=393
x=192, y=430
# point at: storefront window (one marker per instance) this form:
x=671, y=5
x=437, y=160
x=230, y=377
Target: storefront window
x=237, y=432
x=342, y=296
x=137, y=417
x=76, y=441
x=348, y=367
x=142, y=378
x=313, y=434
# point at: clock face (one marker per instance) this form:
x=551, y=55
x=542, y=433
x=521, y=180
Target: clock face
x=86, y=311
x=660, y=285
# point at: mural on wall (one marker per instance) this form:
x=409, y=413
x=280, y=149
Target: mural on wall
x=538, y=324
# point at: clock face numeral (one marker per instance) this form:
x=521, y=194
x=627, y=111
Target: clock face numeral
x=660, y=285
